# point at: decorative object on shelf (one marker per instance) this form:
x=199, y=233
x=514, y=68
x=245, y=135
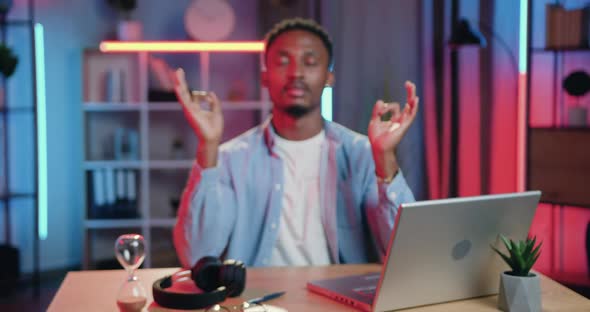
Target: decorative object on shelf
x=566, y=29
x=8, y=62
x=174, y=204
x=178, y=151
x=209, y=20
x=127, y=29
x=114, y=85
x=130, y=251
x=577, y=84
x=126, y=144
x=520, y=290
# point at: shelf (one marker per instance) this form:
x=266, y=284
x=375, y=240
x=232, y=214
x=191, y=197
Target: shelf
x=5, y=110
x=19, y=22
x=225, y=105
x=171, y=164
x=115, y=164
x=110, y=107
x=16, y=195
x=166, y=106
x=554, y=50
x=127, y=223
x=112, y=223
x=168, y=222
x=549, y=128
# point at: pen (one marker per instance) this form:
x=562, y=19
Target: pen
x=266, y=297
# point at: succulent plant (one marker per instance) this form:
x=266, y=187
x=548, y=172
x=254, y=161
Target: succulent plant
x=523, y=255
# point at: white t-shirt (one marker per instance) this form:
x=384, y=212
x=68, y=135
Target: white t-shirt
x=301, y=239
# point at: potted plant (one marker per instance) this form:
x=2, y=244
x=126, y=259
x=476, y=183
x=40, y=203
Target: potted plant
x=520, y=290
x=127, y=28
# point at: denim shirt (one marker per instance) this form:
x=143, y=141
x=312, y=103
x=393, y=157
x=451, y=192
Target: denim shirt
x=233, y=210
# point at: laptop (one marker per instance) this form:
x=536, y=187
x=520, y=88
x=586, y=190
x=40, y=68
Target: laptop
x=439, y=251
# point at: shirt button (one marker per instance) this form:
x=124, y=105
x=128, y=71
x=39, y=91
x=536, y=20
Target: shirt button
x=392, y=195
x=273, y=226
x=277, y=187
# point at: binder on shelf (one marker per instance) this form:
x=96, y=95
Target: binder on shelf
x=97, y=194
x=114, y=85
x=126, y=144
x=133, y=136
x=110, y=192
x=132, y=194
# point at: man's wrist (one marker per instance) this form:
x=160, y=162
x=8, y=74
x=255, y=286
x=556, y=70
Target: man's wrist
x=207, y=155
x=388, y=179
x=386, y=166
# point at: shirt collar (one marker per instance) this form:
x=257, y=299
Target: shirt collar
x=270, y=133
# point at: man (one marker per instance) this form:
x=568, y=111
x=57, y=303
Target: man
x=296, y=190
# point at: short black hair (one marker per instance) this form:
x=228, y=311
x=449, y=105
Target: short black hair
x=299, y=24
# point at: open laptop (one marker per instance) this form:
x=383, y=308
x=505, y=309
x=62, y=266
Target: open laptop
x=439, y=251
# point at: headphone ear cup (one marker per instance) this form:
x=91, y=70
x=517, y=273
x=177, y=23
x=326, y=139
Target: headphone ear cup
x=205, y=273
x=233, y=276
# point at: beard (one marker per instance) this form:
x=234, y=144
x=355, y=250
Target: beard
x=297, y=111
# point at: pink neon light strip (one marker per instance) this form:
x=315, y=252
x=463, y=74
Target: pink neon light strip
x=181, y=46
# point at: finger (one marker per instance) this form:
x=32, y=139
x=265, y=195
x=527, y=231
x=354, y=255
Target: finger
x=214, y=102
x=184, y=97
x=377, y=108
x=410, y=91
x=180, y=82
x=179, y=77
x=198, y=96
x=410, y=115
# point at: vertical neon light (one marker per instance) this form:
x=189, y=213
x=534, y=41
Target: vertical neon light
x=327, y=103
x=41, y=130
x=522, y=95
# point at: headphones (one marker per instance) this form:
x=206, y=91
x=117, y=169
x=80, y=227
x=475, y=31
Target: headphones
x=217, y=279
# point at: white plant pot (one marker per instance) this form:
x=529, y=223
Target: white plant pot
x=519, y=294
x=577, y=116
x=129, y=31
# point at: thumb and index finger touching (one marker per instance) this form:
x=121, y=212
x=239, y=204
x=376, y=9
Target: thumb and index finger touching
x=193, y=98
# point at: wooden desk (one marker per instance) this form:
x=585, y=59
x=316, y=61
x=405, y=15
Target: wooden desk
x=97, y=290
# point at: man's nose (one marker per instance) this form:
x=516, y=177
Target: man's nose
x=296, y=70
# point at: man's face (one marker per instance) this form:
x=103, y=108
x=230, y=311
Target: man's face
x=297, y=72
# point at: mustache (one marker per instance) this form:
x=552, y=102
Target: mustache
x=296, y=84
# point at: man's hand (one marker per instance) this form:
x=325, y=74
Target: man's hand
x=385, y=135
x=207, y=124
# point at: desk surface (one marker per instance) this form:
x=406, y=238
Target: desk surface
x=97, y=290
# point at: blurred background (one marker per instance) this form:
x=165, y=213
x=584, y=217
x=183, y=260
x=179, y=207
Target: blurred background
x=93, y=145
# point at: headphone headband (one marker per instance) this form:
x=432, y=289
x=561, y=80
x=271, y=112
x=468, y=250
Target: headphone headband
x=187, y=301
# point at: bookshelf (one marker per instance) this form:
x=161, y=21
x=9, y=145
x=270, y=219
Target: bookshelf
x=557, y=153
x=159, y=170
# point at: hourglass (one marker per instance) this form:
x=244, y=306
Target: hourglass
x=130, y=251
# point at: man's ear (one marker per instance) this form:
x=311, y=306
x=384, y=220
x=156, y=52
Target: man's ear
x=331, y=79
x=264, y=78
